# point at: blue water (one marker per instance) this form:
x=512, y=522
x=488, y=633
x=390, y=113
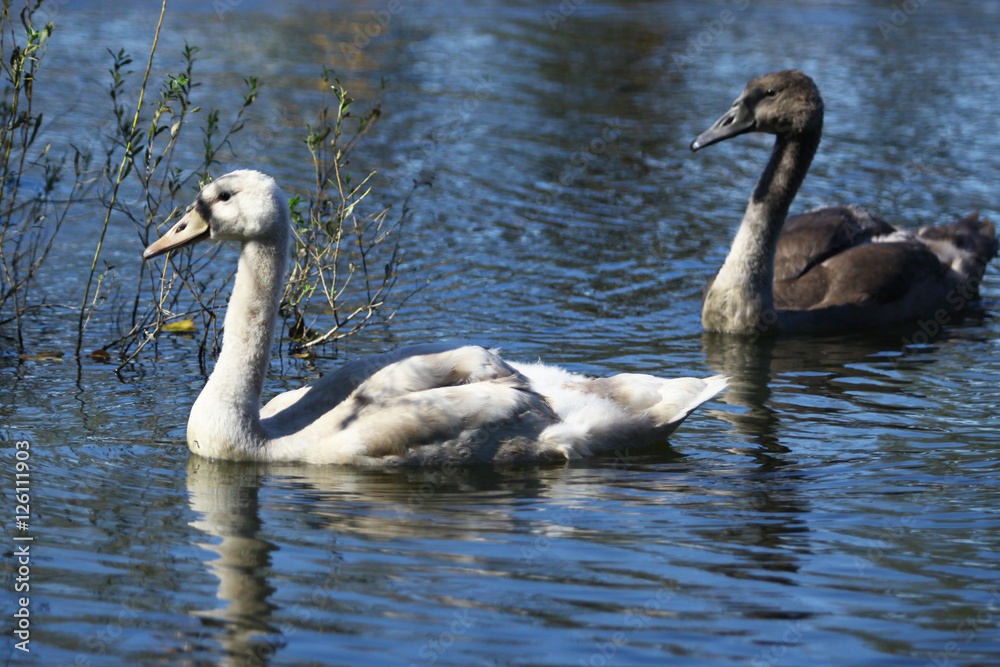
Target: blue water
x=836, y=506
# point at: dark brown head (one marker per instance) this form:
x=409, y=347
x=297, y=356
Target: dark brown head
x=783, y=103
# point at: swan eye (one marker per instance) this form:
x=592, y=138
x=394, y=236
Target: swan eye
x=771, y=92
x=224, y=196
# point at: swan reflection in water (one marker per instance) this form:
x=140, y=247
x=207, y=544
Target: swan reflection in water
x=350, y=549
x=845, y=378
x=225, y=499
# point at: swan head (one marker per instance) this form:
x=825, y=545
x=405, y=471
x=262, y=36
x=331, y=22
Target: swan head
x=783, y=103
x=241, y=206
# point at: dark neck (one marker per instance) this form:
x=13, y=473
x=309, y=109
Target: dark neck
x=741, y=299
x=782, y=177
x=757, y=239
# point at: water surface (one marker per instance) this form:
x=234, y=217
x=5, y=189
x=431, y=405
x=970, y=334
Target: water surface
x=837, y=506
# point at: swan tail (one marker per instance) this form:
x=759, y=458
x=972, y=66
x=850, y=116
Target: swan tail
x=682, y=396
x=661, y=404
x=966, y=245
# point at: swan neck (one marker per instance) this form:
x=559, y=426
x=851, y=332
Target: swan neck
x=743, y=299
x=757, y=238
x=251, y=319
x=778, y=184
x=227, y=412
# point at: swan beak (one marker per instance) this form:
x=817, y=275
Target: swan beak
x=189, y=229
x=736, y=121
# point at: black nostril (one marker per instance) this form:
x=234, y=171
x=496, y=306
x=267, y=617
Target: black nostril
x=182, y=227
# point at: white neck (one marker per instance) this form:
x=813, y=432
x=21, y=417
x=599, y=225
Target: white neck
x=741, y=299
x=225, y=420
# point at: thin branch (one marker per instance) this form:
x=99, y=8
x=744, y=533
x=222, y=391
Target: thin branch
x=84, y=311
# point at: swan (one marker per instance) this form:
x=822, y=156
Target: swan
x=423, y=405
x=836, y=267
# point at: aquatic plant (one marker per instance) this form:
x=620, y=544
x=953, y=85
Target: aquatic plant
x=346, y=261
x=142, y=182
x=36, y=192
x=142, y=165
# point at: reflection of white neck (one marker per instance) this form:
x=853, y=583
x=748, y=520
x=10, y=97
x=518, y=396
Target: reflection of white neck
x=225, y=420
x=225, y=499
x=741, y=299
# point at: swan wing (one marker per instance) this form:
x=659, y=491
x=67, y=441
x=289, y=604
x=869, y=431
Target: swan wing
x=443, y=425
x=868, y=264
x=815, y=236
x=873, y=276
x=391, y=374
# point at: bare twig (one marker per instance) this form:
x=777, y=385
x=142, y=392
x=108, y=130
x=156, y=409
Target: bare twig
x=85, y=311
